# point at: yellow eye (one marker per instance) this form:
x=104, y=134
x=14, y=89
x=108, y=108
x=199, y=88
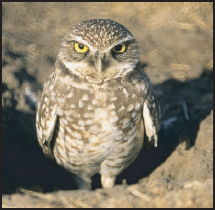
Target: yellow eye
x=80, y=48
x=120, y=48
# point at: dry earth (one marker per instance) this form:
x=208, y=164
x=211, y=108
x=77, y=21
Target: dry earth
x=176, y=44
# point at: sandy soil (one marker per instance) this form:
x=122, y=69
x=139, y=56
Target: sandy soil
x=176, y=45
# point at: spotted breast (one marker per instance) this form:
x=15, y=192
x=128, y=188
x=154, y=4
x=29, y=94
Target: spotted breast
x=97, y=104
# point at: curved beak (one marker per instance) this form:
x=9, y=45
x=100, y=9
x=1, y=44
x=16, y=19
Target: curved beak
x=98, y=62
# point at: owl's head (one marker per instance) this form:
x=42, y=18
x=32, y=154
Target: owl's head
x=99, y=48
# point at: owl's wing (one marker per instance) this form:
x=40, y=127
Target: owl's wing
x=152, y=117
x=49, y=136
x=46, y=120
x=45, y=133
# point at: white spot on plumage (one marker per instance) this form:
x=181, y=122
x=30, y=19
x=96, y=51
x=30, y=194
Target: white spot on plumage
x=60, y=100
x=90, y=107
x=42, y=122
x=125, y=92
x=94, y=128
x=61, y=151
x=137, y=106
x=122, y=108
x=61, y=129
x=81, y=104
x=94, y=102
x=114, y=119
x=93, y=139
x=65, y=122
x=85, y=97
x=134, y=114
x=47, y=109
x=52, y=97
x=111, y=106
x=81, y=123
x=89, y=122
x=87, y=115
x=112, y=113
x=73, y=106
x=68, y=129
x=76, y=135
x=43, y=106
x=67, y=113
x=141, y=87
x=145, y=90
x=69, y=119
x=70, y=95
x=126, y=123
x=130, y=107
x=51, y=87
x=59, y=112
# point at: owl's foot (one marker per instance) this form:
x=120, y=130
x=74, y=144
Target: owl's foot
x=107, y=181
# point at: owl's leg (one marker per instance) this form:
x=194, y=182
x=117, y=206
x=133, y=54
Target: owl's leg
x=107, y=181
x=82, y=183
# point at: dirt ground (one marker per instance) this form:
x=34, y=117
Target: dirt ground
x=176, y=45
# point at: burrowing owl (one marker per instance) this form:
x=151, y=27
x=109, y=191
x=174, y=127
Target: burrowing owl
x=97, y=103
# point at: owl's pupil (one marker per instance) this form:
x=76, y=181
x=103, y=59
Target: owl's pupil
x=118, y=47
x=81, y=46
